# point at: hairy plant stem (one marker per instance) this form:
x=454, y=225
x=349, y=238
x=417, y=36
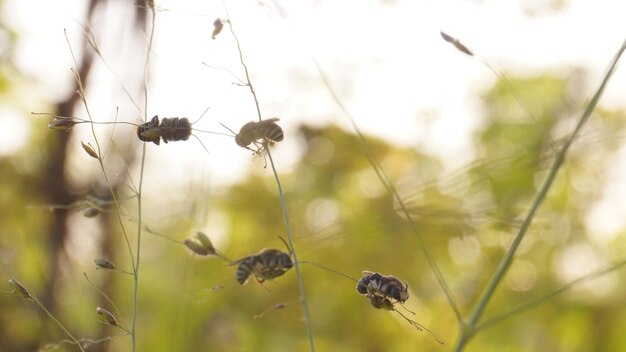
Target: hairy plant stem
x=469, y=328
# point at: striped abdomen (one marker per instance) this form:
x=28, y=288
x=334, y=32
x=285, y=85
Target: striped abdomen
x=268, y=264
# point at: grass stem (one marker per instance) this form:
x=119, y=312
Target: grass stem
x=303, y=299
x=470, y=329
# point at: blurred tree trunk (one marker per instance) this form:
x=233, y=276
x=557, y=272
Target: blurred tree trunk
x=55, y=183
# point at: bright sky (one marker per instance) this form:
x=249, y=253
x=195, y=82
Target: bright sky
x=386, y=60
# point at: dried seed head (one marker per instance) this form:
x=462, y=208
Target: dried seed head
x=454, y=41
x=202, y=246
x=447, y=37
x=89, y=149
x=61, y=124
x=196, y=247
x=218, y=25
x=21, y=289
x=205, y=242
x=103, y=263
x=91, y=212
x=106, y=317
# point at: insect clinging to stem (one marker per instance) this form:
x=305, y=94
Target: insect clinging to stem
x=259, y=133
x=170, y=129
x=266, y=265
x=383, y=291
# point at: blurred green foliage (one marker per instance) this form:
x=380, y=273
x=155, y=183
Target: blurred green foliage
x=343, y=219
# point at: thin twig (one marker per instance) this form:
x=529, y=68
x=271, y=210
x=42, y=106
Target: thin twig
x=81, y=91
x=526, y=306
x=80, y=346
x=243, y=63
x=140, y=186
x=103, y=295
x=109, y=184
x=241, y=82
x=329, y=270
x=91, y=40
x=27, y=294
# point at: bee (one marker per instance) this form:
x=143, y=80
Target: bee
x=383, y=291
x=259, y=133
x=170, y=129
x=267, y=265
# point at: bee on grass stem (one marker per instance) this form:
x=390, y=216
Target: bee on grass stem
x=384, y=291
x=261, y=134
x=169, y=129
x=266, y=265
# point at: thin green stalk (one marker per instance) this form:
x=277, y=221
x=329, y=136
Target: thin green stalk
x=24, y=292
x=103, y=295
x=133, y=328
x=91, y=40
x=303, y=299
x=386, y=181
x=80, y=346
x=330, y=270
x=524, y=307
x=140, y=187
x=243, y=63
x=470, y=329
x=81, y=91
x=135, y=263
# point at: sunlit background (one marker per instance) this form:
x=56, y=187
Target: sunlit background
x=466, y=140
